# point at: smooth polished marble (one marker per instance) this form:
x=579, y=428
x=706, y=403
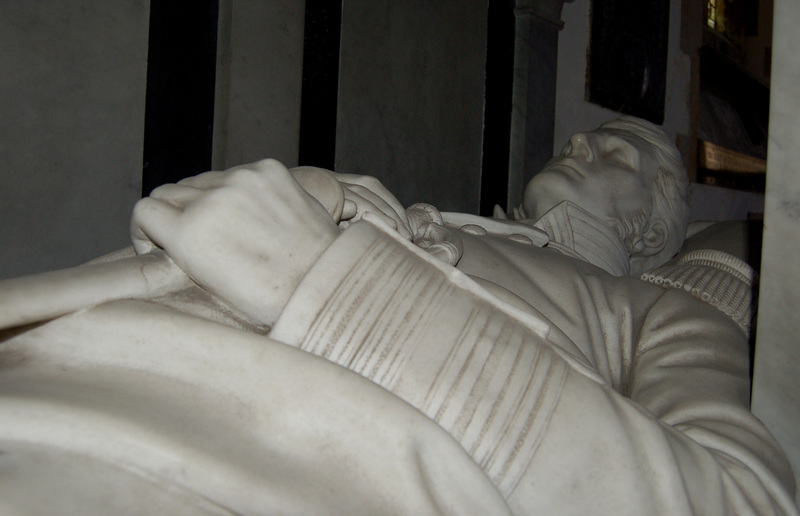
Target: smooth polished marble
x=776, y=384
x=310, y=336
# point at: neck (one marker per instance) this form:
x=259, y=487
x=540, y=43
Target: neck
x=576, y=232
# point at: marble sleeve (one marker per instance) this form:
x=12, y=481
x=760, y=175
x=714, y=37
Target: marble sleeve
x=691, y=370
x=547, y=430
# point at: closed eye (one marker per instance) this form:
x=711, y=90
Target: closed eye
x=619, y=157
x=621, y=152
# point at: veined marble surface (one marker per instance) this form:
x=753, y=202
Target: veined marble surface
x=776, y=382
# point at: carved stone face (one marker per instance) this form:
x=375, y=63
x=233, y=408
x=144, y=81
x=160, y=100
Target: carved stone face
x=606, y=172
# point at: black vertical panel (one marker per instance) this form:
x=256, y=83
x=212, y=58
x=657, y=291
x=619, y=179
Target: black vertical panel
x=628, y=56
x=179, y=110
x=498, y=105
x=319, y=96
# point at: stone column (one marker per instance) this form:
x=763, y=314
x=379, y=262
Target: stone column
x=411, y=90
x=259, y=77
x=534, y=98
x=776, y=380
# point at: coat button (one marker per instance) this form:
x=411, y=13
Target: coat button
x=522, y=239
x=473, y=229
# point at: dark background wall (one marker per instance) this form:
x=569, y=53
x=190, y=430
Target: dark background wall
x=72, y=103
x=412, y=104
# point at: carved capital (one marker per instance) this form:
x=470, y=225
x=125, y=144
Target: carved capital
x=547, y=10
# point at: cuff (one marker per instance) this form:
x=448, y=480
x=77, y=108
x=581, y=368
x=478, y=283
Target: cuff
x=421, y=329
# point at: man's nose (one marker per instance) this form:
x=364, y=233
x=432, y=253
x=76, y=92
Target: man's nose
x=579, y=147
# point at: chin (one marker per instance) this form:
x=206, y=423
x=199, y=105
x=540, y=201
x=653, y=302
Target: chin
x=546, y=192
x=535, y=208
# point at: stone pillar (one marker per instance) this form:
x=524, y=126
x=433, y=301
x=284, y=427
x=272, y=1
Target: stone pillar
x=259, y=76
x=411, y=91
x=776, y=380
x=534, y=100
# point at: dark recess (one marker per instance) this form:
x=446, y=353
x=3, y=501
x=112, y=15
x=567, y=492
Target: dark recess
x=179, y=109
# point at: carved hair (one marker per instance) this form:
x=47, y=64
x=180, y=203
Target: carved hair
x=670, y=197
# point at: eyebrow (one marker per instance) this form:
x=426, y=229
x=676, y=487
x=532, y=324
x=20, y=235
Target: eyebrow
x=616, y=138
x=631, y=150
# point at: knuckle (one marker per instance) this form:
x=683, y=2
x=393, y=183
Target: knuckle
x=142, y=206
x=242, y=175
x=260, y=173
x=358, y=189
x=270, y=166
x=372, y=181
x=193, y=180
x=159, y=191
x=168, y=192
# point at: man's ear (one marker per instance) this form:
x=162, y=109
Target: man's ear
x=653, y=240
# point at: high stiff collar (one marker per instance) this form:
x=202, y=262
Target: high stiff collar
x=577, y=233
